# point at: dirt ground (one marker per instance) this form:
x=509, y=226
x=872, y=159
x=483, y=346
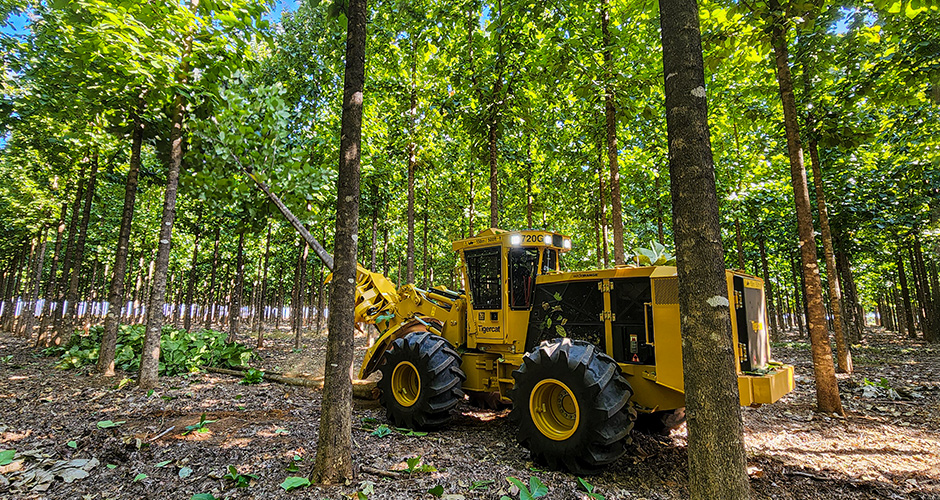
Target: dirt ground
x=887, y=447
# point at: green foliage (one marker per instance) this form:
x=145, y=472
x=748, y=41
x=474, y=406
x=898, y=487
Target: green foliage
x=535, y=489
x=589, y=489
x=198, y=427
x=139, y=477
x=655, y=255
x=481, y=485
x=414, y=464
x=437, y=491
x=382, y=431
x=295, y=482
x=202, y=496
x=6, y=456
x=883, y=383
x=180, y=352
x=239, y=480
x=107, y=424
x=252, y=376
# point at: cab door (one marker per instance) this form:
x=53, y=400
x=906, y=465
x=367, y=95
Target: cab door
x=484, y=271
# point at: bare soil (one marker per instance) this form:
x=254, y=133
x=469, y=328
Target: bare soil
x=888, y=446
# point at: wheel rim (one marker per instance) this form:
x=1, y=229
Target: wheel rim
x=554, y=409
x=406, y=384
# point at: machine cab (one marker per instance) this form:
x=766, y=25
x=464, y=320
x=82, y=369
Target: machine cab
x=500, y=269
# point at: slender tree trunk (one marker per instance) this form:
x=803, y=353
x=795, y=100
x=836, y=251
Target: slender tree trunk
x=412, y=111
x=259, y=318
x=843, y=354
x=375, y=224
x=9, y=309
x=528, y=195
x=935, y=284
x=601, y=204
x=301, y=295
x=320, y=293
x=660, y=232
x=29, y=310
x=210, y=296
x=494, y=154
x=739, y=242
x=469, y=212
x=797, y=297
x=70, y=316
x=769, y=287
x=191, y=282
x=333, y=461
x=610, y=114
x=235, y=310
x=295, y=296
x=827, y=389
x=49, y=293
x=927, y=298
x=716, y=431
x=906, y=299
x=63, y=280
x=150, y=357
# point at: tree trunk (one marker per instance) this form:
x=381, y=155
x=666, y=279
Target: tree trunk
x=469, y=212
x=259, y=315
x=930, y=324
x=660, y=232
x=827, y=389
x=70, y=315
x=797, y=309
x=235, y=310
x=210, y=296
x=191, y=282
x=602, y=207
x=528, y=195
x=410, y=256
x=739, y=242
x=610, y=114
x=843, y=354
x=375, y=224
x=298, y=317
x=716, y=431
x=769, y=288
x=29, y=310
x=150, y=357
x=906, y=299
x=63, y=280
x=49, y=293
x=494, y=153
x=333, y=461
x=295, y=297
x=935, y=284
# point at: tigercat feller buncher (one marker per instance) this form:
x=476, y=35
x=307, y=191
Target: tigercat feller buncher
x=578, y=354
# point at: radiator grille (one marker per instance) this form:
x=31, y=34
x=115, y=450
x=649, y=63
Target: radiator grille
x=667, y=290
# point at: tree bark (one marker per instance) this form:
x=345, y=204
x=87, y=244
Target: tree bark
x=63, y=280
x=235, y=309
x=67, y=326
x=716, y=431
x=739, y=242
x=610, y=114
x=843, y=353
x=49, y=293
x=765, y=272
x=297, y=317
x=601, y=204
x=906, y=298
x=112, y=319
x=410, y=256
x=210, y=296
x=29, y=310
x=191, y=281
x=375, y=224
x=150, y=356
x=827, y=389
x=260, y=314
x=333, y=461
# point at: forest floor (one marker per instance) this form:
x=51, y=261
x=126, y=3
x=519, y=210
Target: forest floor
x=888, y=446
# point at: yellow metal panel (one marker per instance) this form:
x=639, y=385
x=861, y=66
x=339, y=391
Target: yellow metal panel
x=668, y=343
x=766, y=389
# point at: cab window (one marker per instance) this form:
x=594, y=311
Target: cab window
x=484, y=276
x=522, y=269
x=550, y=260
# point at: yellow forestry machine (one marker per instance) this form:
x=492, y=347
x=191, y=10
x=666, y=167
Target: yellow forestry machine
x=581, y=356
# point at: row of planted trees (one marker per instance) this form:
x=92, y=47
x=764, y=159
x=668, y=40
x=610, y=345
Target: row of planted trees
x=127, y=173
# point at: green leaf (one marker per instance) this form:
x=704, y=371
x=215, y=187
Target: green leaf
x=536, y=488
x=295, y=482
x=6, y=456
x=107, y=424
x=382, y=431
x=72, y=444
x=202, y=496
x=185, y=472
x=437, y=491
x=111, y=466
x=481, y=485
x=163, y=463
x=140, y=476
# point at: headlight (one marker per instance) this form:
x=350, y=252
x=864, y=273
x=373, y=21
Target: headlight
x=566, y=244
x=515, y=239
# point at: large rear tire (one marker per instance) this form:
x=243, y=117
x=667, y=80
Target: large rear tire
x=571, y=406
x=421, y=381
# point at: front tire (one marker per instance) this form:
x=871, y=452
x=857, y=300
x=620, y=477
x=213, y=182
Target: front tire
x=572, y=406
x=421, y=381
